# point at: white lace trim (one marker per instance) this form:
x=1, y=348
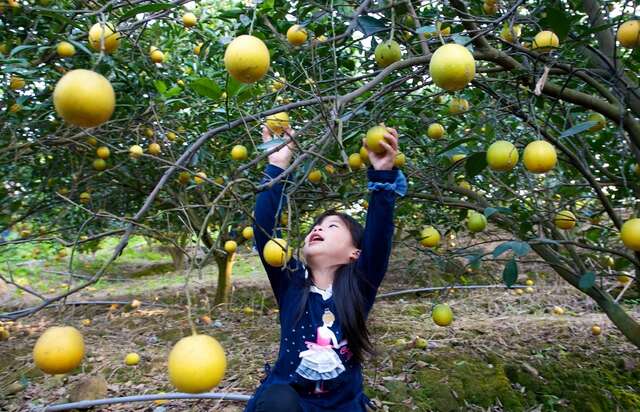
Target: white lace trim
x=326, y=294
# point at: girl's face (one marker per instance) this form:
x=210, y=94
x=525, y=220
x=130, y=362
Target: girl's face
x=330, y=240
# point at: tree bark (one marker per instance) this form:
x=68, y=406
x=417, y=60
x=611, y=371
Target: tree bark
x=225, y=270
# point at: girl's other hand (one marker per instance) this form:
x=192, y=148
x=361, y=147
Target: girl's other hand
x=384, y=160
x=282, y=157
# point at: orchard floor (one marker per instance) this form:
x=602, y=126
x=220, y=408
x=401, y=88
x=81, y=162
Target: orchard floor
x=502, y=353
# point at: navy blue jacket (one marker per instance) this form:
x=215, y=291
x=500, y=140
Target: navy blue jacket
x=344, y=392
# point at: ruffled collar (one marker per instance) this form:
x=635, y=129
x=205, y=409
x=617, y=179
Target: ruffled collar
x=325, y=293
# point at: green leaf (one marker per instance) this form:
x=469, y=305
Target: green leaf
x=147, y=8
x=455, y=144
x=18, y=49
x=368, y=25
x=587, y=280
x=579, y=128
x=267, y=5
x=492, y=210
x=174, y=91
x=510, y=273
x=475, y=164
x=426, y=29
x=206, y=87
x=557, y=20
x=231, y=13
x=463, y=41
x=161, y=87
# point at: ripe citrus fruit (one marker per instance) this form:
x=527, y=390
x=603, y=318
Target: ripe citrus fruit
x=435, y=131
x=539, y=156
x=596, y=330
x=189, y=20
x=452, y=67
x=557, y=310
x=464, y=184
x=196, y=364
x=131, y=359
x=502, y=155
x=458, y=157
x=364, y=154
x=629, y=34
x=274, y=254
x=16, y=83
x=184, y=178
x=600, y=120
x=442, y=315
x=400, y=160
x=103, y=152
x=247, y=59
x=375, y=135
x=565, y=220
x=630, y=234
x=65, y=49
x=355, y=161
x=199, y=178
x=315, y=176
x=84, y=98
x=247, y=233
x=230, y=246
x=171, y=136
x=624, y=279
x=458, y=106
x=429, y=237
x=476, y=222
x=511, y=34
x=85, y=197
x=135, y=151
x=278, y=122
x=545, y=41
x=198, y=48
x=100, y=32
x=296, y=35
x=529, y=282
x=154, y=149
x=99, y=164
x=157, y=56
x=59, y=349
x=239, y=152
x=387, y=52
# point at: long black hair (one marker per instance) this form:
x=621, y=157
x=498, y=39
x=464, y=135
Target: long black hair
x=350, y=302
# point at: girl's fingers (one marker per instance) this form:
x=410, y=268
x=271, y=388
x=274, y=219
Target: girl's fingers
x=391, y=140
x=364, y=143
x=387, y=148
x=266, y=135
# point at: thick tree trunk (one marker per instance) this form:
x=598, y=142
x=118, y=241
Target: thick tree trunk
x=225, y=269
x=177, y=257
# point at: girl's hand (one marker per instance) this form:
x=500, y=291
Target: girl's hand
x=282, y=157
x=384, y=160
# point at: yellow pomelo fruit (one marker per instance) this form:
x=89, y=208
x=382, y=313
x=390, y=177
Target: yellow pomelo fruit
x=296, y=35
x=596, y=330
x=464, y=184
x=103, y=152
x=274, y=252
x=135, y=151
x=111, y=37
x=400, y=160
x=375, y=135
x=199, y=178
x=624, y=279
x=278, y=122
x=458, y=157
x=458, y=106
x=565, y=220
x=85, y=197
x=84, y=98
x=157, y=56
x=355, y=161
x=452, y=67
x=131, y=359
x=529, y=282
x=198, y=48
x=330, y=169
x=558, y=310
x=600, y=119
x=154, y=149
x=630, y=234
x=16, y=82
x=247, y=59
x=315, y=176
x=490, y=9
x=387, y=52
x=476, y=222
x=429, y=237
x=545, y=41
x=99, y=165
x=539, y=156
x=196, y=364
x=59, y=349
x=171, y=136
x=247, y=233
x=15, y=108
x=435, y=131
x=184, y=178
x=442, y=315
x=511, y=34
x=364, y=154
x=65, y=49
x=239, y=152
x=629, y=34
x=230, y=246
x=502, y=155
x=189, y=20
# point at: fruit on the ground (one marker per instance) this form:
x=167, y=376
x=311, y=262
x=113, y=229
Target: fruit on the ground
x=557, y=310
x=452, y=67
x=274, y=252
x=400, y=160
x=464, y=184
x=296, y=35
x=545, y=41
x=248, y=310
x=600, y=120
x=400, y=342
x=4, y=333
x=103, y=152
x=156, y=56
x=624, y=279
x=375, y=135
x=355, y=161
x=565, y=220
x=104, y=32
x=511, y=34
x=230, y=246
x=596, y=330
x=608, y=261
x=247, y=233
x=421, y=343
x=435, y=131
x=442, y=314
x=154, y=149
x=429, y=236
x=65, y=49
x=476, y=222
x=131, y=359
x=387, y=52
x=246, y=59
x=196, y=364
x=539, y=156
x=199, y=178
x=529, y=282
x=315, y=176
x=629, y=34
x=502, y=155
x=278, y=122
x=519, y=292
x=135, y=151
x=84, y=98
x=630, y=234
x=16, y=82
x=458, y=157
x=85, y=197
x=189, y=20
x=99, y=164
x=59, y=349
x=239, y=152
x=458, y=106
x=86, y=322
x=528, y=289
x=135, y=303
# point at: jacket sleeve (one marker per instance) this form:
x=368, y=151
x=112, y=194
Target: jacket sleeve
x=378, y=232
x=269, y=205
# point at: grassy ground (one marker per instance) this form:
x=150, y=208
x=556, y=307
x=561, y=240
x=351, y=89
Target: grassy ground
x=502, y=353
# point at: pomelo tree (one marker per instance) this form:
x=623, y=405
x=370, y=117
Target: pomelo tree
x=518, y=122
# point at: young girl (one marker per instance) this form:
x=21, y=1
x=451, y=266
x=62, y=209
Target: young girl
x=325, y=301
